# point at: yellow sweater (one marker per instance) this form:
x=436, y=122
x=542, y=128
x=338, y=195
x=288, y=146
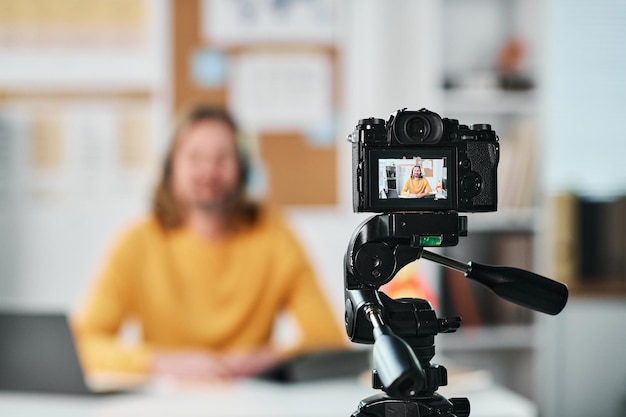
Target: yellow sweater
x=188, y=293
x=416, y=186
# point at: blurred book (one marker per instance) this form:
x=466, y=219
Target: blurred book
x=517, y=174
x=564, y=244
x=588, y=241
x=328, y=364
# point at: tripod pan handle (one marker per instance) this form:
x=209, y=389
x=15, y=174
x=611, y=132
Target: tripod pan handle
x=521, y=287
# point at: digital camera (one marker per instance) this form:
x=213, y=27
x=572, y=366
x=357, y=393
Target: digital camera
x=418, y=161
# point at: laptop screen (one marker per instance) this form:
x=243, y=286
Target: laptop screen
x=37, y=353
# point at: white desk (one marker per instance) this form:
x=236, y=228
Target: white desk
x=243, y=399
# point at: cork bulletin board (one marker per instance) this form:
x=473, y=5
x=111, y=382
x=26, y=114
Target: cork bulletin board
x=279, y=80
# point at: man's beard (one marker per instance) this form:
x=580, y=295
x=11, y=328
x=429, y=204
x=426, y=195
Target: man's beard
x=225, y=203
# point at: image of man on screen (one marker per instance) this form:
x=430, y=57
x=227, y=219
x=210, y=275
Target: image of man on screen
x=416, y=186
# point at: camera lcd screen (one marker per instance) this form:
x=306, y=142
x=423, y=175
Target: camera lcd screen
x=416, y=179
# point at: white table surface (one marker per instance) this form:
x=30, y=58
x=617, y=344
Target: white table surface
x=244, y=398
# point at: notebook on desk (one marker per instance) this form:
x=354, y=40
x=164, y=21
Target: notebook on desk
x=313, y=366
x=37, y=353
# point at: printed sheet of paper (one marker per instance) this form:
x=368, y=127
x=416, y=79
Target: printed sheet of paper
x=281, y=92
x=245, y=22
x=57, y=151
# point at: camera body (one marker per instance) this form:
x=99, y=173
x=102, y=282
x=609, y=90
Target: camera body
x=457, y=164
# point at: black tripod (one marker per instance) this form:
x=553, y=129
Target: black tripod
x=403, y=330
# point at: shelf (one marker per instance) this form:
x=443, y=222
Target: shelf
x=615, y=288
x=490, y=101
x=503, y=220
x=505, y=337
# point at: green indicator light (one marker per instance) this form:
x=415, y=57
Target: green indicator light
x=431, y=240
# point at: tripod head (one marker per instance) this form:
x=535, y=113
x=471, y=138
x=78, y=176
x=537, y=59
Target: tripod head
x=403, y=330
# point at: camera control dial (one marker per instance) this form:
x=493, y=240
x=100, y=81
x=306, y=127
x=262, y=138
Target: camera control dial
x=481, y=126
x=471, y=184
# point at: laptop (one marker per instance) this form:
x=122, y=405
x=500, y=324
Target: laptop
x=37, y=353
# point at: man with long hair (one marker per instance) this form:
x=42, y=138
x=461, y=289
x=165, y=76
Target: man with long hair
x=205, y=274
x=416, y=186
